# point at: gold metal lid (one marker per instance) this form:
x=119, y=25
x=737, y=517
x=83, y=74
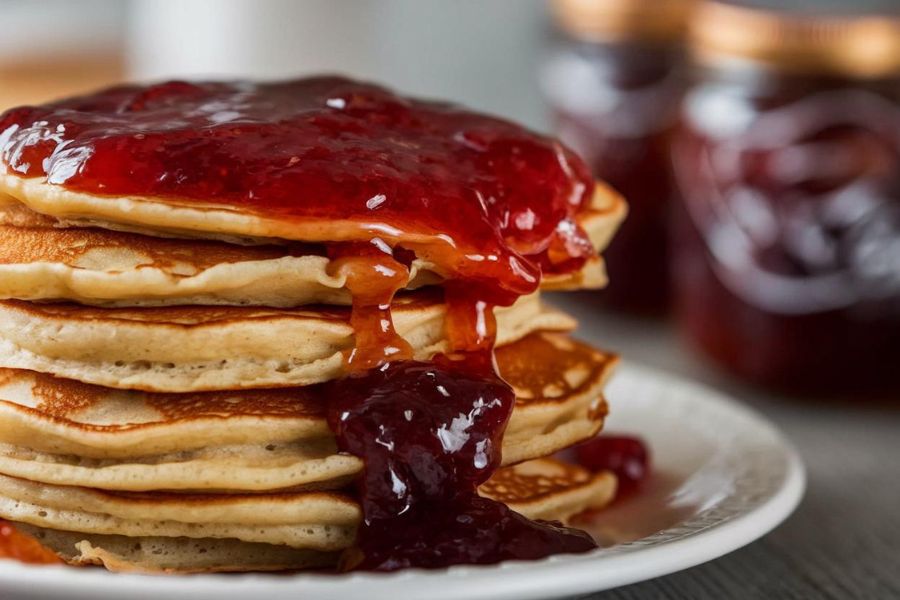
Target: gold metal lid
x=605, y=20
x=856, y=46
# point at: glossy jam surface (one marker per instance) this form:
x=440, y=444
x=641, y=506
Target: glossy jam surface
x=496, y=202
x=617, y=105
x=16, y=545
x=470, y=530
x=788, y=247
x=626, y=456
x=430, y=433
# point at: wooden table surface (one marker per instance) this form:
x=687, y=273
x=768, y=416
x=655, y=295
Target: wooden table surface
x=842, y=542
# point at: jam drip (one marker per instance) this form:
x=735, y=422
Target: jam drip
x=373, y=275
x=430, y=433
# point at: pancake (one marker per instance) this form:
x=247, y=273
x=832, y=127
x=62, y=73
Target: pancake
x=75, y=522
x=68, y=433
x=160, y=555
x=188, y=349
x=312, y=520
x=41, y=259
x=550, y=489
x=149, y=215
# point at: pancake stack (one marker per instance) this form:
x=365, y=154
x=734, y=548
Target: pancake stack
x=164, y=367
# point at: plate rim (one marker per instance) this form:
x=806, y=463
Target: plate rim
x=568, y=573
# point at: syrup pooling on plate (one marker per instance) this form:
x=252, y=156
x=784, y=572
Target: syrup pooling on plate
x=430, y=433
x=480, y=197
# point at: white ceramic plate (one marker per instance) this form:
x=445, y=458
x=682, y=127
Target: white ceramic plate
x=723, y=477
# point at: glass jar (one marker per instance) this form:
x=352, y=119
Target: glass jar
x=614, y=83
x=787, y=253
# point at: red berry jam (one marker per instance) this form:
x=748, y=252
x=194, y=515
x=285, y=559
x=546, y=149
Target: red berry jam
x=16, y=545
x=787, y=249
x=625, y=456
x=786, y=254
x=485, y=198
x=430, y=434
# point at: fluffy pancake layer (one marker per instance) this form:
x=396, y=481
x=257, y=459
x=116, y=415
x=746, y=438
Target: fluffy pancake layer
x=132, y=269
x=188, y=349
x=39, y=260
x=68, y=433
x=156, y=554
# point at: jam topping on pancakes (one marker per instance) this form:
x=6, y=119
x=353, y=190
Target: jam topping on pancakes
x=482, y=198
x=491, y=204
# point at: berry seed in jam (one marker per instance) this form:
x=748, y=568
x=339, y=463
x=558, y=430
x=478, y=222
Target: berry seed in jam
x=626, y=456
x=430, y=434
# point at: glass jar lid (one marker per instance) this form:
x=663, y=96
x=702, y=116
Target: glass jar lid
x=854, y=45
x=604, y=20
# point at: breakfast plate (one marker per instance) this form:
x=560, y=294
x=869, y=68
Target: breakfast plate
x=723, y=477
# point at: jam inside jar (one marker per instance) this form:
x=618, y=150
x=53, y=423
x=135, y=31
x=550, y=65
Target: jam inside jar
x=614, y=84
x=787, y=255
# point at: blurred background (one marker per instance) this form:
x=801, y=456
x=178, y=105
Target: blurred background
x=757, y=141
